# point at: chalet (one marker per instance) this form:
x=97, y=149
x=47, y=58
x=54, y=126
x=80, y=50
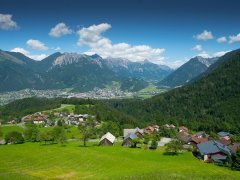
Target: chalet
x=149, y=130
x=39, y=120
x=137, y=131
x=225, y=135
x=107, y=139
x=225, y=141
x=184, y=136
x=213, y=150
x=36, y=118
x=201, y=134
x=195, y=140
x=76, y=119
x=128, y=139
x=164, y=141
x=183, y=129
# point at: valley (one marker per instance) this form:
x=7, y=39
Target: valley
x=118, y=90
x=106, y=93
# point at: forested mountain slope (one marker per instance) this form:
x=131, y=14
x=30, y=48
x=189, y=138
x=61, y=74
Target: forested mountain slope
x=211, y=103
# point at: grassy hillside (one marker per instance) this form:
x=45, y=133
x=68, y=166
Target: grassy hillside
x=33, y=160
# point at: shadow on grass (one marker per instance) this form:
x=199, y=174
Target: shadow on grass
x=83, y=146
x=47, y=144
x=170, y=153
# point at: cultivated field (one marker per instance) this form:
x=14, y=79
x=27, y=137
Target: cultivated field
x=35, y=160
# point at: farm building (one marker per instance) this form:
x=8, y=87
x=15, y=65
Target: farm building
x=214, y=150
x=107, y=139
x=225, y=135
x=194, y=141
x=137, y=131
x=128, y=139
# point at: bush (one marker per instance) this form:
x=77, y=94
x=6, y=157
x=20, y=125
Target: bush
x=14, y=137
x=47, y=136
x=31, y=132
x=154, y=144
x=174, y=146
x=236, y=160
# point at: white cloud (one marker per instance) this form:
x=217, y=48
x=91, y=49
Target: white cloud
x=175, y=64
x=222, y=39
x=36, y=44
x=57, y=49
x=197, y=47
x=204, y=54
x=234, y=39
x=60, y=30
x=37, y=57
x=220, y=53
x=93, y=38
x=6, y=22
x=205, y=35
x=20, y=50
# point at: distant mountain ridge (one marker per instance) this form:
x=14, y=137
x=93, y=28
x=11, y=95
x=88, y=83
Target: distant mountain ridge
x=188, y=71
x=79, y=72
x=144, y=69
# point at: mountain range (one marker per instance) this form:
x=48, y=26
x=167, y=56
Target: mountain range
x=77, y=72
x=188, y=71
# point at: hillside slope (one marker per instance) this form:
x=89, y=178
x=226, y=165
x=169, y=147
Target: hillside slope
x=187, y=71
x=211, y=103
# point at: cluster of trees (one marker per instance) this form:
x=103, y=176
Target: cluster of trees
x=32, y=133
x=14, y=137
x=174, y=147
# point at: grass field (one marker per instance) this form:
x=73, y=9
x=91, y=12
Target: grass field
x=33, y=160
x=147, y=92
x=64, y=107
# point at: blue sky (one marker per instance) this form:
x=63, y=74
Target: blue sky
x=165, y=32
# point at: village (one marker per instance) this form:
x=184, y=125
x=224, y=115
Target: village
x=206, y=147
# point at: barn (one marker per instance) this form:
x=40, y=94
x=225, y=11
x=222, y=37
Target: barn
x=107, y=139
x=128, y=139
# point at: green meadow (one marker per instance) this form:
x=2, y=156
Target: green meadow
x=73, y=161
x=64, y=107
